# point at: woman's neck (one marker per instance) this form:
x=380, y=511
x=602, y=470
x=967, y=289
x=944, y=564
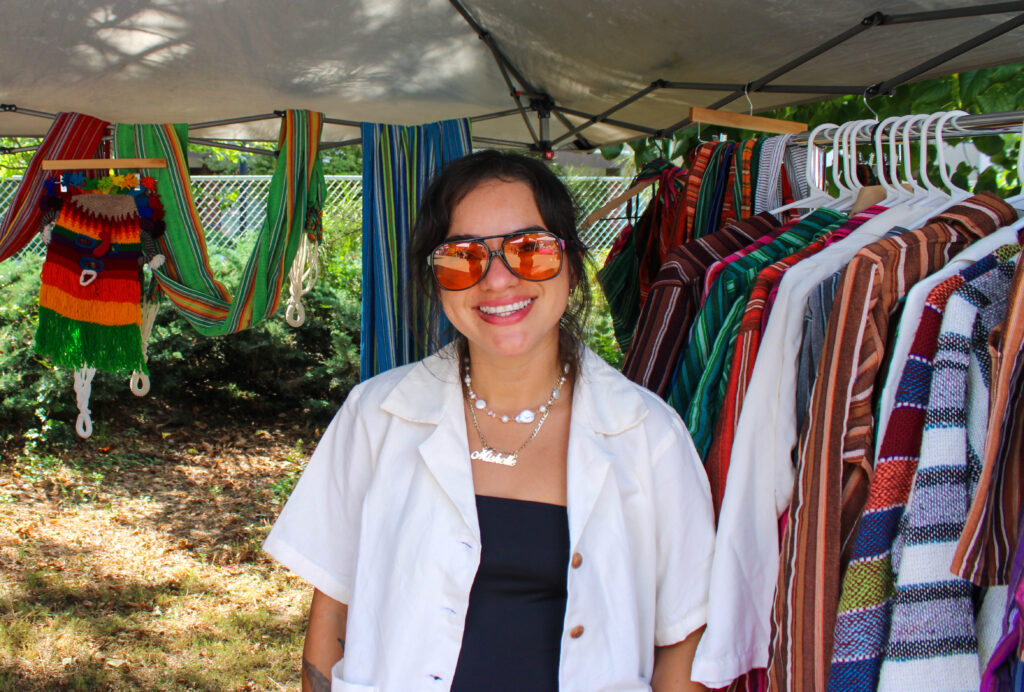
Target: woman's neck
x=509, y=385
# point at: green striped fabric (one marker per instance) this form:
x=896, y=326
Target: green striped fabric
x=297, y=191
x=699, y=382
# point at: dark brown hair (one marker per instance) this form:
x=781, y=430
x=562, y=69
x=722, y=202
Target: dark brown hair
x=557, y=209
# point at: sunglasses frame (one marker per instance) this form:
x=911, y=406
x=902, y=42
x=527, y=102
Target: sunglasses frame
x=500, y=253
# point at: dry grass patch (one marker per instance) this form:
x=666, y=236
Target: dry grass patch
x=136, y=565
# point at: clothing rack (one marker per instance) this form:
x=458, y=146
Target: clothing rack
x=1006, y=122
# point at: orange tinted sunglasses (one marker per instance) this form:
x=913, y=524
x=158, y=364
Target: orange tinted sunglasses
x=532, y=255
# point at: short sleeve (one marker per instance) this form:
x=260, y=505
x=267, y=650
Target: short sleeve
x=317, y=533
x=685, y=536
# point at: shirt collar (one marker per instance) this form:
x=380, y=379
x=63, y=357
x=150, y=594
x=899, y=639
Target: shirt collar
x=604, y=401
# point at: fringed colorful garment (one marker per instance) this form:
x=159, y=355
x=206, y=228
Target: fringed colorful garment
x=89, y=303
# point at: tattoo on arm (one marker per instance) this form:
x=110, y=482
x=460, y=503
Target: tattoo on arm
x=318, y=682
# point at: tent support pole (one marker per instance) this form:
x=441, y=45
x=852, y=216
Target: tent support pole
x=985, y=37
x=11, y=108
x=755, y=85
x=618, y=123
x=234, y=121
x=236, y=147
x=601, y=117
x=508, y=70
x=958, y=13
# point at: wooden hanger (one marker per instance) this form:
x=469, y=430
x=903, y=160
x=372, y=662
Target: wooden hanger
x=743, y=121
x=615, y=203
x=101, y=164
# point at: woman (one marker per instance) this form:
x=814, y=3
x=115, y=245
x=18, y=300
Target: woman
x=510, y=513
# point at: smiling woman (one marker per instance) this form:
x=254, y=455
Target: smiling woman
x=541, y=521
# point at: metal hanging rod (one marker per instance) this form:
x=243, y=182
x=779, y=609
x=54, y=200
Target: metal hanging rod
x=980, y=125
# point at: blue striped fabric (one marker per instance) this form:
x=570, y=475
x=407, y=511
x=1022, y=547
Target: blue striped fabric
x=398, y=164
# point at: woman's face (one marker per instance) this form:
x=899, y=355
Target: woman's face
x=504, y=316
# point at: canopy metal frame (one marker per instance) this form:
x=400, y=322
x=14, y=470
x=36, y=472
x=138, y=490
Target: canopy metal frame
x=527, y=98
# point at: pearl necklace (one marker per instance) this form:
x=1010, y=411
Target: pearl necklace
x=489, y=453
x=526, y=415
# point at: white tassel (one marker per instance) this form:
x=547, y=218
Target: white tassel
x=83, y=390
x=301, y=279
x=139, y=384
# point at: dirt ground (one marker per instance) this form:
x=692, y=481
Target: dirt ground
x=132, y=561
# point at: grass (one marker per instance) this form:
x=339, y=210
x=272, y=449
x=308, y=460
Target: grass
x=132, y=561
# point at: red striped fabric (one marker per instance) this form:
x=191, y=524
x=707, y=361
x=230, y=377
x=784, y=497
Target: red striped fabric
x=72, y=136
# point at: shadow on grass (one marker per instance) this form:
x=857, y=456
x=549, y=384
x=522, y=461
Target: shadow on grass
x=118, y=633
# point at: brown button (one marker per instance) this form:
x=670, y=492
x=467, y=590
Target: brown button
x=577, y=560
x=576, y=632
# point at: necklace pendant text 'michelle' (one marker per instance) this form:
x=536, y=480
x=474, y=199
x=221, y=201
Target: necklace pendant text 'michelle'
x=494, y=456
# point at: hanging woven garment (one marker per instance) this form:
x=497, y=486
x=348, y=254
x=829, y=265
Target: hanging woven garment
x=89, y=302
x=72, y=136
x=398, y=164
x=294, y=205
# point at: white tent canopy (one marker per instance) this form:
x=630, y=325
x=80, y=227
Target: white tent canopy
x=416, y=61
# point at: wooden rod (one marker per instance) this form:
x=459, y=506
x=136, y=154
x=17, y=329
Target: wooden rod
x=614, y=204
x=743, y=121
x=101, y=164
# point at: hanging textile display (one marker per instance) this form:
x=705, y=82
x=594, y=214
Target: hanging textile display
x=398, y=163
x=294, y=206
x=71, y=136
x=90, y=312
x=89, y=302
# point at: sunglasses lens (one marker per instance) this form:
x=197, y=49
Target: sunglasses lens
x=459, y=264
x=534, y=256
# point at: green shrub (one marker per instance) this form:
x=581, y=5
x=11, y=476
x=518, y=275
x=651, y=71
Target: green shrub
x=269, y=370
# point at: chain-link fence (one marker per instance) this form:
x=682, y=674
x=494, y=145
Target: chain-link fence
x=233, y=206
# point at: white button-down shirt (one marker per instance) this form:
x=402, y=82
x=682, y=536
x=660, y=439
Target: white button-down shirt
x=384, y=519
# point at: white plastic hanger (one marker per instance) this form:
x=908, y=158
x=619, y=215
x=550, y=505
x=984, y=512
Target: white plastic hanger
x=917, y=192
x=896, y=137
x=1017, y=201
x=815, y=176
x=846, y=138
x=893, y=193
x=936, y=195
x=956, y=194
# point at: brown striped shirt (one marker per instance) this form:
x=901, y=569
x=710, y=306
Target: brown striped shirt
x=837, y=443
x=668, y=312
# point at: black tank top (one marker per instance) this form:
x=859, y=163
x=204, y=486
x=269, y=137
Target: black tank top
x=517, y=605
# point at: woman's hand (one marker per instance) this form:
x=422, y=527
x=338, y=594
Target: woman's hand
x=325, y=641
x=672, y=666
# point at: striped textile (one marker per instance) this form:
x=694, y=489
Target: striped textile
x=836, y=445
x=71, y=136
x=812, y=338
x=769, y=188
x=744, y=353
x=984, y=552
x=698, y=384
x=743, y=191
x=713, y=188
x=667, y=228
x=297, y=191
x=398, y=163
x=865, y=604
x=731, y=198
x=674, y=300
x=694, y=183
x=96, y=325
x=716, y=269
x=932, y=642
